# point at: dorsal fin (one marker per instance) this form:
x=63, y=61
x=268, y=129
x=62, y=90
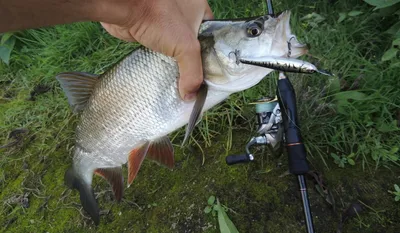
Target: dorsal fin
x=114, y=177
x=136, y=157
x=78, y=88
x=162, y=152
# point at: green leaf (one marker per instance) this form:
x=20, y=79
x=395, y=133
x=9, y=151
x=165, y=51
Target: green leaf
x=393, y=157
x=5, y=37
x=351, y=162
x=397, y=188
x=391, y=53
x=381, y=3
x=394, y=150
x=396, y=42
x=374, y=156
x=387, y=127
x=225, y=224
x=354, y=13
x=388, y=11
x=314, y=18
x=397, y=198
x=207, y=210
x=335, y=156
x=346, y=95
x=342, y=16
x=211, y=200
x=369, y=123
x=333, y=85
x=394, y=29
x=394, y=65
x=351, y=155
x=6, y=49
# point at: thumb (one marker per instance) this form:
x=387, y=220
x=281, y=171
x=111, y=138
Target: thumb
x=118, y=32
x=190, y=68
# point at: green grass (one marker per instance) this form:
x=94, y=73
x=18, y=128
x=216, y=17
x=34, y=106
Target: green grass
x=357, y=111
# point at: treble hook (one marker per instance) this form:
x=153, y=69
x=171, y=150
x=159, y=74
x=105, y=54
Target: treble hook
x=289, y=44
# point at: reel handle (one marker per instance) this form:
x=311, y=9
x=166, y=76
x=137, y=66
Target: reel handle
x=235, y=159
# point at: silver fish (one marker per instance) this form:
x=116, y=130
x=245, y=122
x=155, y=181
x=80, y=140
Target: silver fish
x=128, y=112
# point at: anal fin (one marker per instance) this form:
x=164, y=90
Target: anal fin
x=136, y=157
x=114, y=178
x=161, y=151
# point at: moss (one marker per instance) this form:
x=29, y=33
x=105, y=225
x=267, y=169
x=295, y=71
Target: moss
x=161, y=200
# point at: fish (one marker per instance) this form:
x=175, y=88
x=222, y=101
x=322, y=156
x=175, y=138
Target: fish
x=127, y=113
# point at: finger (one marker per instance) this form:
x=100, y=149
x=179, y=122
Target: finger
x=208, y=14
x=117, y=32
x=190, y=68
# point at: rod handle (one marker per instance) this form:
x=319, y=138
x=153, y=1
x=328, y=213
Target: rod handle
x=298, y=164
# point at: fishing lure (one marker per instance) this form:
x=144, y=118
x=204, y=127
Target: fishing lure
x=284, y=64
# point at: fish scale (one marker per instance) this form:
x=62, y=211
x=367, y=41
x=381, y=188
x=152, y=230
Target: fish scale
x=139, y=116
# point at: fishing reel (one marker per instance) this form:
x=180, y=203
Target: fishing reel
x=270, y=130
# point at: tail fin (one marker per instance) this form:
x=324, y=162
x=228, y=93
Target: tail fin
x=88, y=201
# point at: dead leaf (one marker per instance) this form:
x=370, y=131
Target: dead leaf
x=15, y=137
x=322, y=188
x=39, y=89
x=353, y=210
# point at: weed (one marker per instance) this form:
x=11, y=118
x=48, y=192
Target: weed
x=215, y=207
x=396, y=192
x=341, y=160
x=7, y=42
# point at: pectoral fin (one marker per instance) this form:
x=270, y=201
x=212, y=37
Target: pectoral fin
x=114, y=178
x=196, y=112
x=78, y=88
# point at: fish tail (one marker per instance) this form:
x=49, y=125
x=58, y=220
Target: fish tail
x=88, y=201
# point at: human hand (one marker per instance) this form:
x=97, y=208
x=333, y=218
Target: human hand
x=166, y=26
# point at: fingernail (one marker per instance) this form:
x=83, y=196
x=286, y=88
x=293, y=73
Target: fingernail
x=190, y=96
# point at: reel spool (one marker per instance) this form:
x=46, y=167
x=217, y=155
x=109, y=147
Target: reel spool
x=269, y=129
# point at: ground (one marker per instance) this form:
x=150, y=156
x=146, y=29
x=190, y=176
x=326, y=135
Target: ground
x=353, y=115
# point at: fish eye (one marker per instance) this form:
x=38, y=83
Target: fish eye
x=254, y=29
